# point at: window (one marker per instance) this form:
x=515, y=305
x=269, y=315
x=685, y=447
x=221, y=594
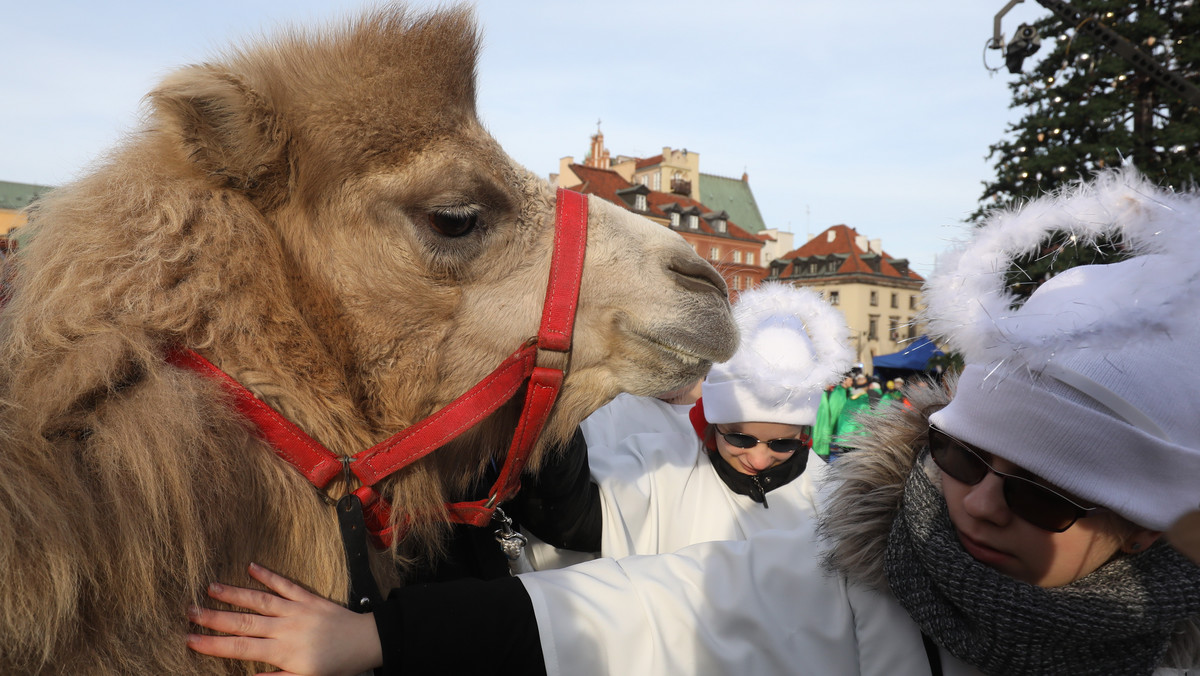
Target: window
x=873, y=327
x=895, y=300
x=912, y=302
x=657, y=180
x=874, y=298
x=639, y=202
x=894, y=329
x=693, y=221
x=714, y=254
x=721, y=227
x=912, y=329
x=675, y=219
x=834, y=297
x=737, y=256
x=749, y=258
x=737, y=282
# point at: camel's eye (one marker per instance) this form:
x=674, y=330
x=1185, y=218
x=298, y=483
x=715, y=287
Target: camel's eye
x=453, y=222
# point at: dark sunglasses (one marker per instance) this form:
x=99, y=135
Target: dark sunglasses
x=784, y=445
x=1045, y=508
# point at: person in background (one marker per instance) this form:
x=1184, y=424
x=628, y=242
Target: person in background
x=833, y=399
x=1013, y=529
x=730, y=465
x=895, y=392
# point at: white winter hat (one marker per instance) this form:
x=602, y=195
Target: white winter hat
x=1092, y=383
x=793, y=344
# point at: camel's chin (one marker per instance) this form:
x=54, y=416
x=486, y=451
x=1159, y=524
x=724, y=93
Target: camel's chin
x=665, y=365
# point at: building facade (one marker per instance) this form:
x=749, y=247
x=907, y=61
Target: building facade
x=637, y=185
x=879, y=295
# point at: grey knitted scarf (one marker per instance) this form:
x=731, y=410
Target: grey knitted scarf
x=1117, y=620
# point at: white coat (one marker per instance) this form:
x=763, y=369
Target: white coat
x=659, y=491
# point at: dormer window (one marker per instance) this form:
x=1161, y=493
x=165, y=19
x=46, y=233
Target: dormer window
x=675, y=219
x=693, y=222
x=634, y=197
x=718, y=221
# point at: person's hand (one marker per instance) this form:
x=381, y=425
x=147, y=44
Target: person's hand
x=300, y=633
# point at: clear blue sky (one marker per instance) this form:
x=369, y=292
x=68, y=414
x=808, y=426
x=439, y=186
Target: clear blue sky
x=875, y=114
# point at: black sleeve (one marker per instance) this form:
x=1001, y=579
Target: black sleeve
x=462, y=627
x=561, y=505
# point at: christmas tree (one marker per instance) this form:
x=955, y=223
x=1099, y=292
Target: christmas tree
x=1087, y=107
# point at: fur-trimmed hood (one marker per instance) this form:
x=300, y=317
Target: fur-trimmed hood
x=857, y=517
x=866, y=489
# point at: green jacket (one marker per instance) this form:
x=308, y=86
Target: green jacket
x=827, y=417
x=847, y=425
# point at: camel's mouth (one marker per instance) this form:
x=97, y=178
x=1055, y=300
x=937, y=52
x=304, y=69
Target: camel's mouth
x=686, y=355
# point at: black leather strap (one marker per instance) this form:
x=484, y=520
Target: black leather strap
x=364, y=592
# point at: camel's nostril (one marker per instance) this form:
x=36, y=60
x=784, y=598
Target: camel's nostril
x=696, y=275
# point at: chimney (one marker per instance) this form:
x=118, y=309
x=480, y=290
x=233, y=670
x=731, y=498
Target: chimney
x=877, y=246
x=861, y=242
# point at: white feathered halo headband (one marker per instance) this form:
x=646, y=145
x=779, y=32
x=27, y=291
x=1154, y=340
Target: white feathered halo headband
x=970, y=308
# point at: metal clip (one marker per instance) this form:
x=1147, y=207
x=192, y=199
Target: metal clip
x=511, y=542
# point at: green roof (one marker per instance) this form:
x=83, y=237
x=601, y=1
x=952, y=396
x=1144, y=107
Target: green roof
x=735, y=197
x=19, y=195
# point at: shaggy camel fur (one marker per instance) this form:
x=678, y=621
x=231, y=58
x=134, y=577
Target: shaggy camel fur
x=322, y=216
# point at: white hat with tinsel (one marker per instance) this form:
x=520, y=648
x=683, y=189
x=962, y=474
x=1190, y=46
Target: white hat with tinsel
x=793, y=344
x=1092, y=384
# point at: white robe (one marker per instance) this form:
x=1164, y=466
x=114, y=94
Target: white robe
x=659, y=491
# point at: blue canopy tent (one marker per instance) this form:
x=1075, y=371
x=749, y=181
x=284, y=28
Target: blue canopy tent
x=912, y=359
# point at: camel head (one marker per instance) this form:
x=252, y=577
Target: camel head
x=413, y=252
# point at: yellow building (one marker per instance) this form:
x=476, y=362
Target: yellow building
x=877, y=293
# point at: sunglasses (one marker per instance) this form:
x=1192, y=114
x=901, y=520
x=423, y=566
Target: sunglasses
x=1045, y=508
x=784, y=445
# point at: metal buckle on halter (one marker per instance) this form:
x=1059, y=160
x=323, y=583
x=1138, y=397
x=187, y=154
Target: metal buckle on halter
x=511, y=542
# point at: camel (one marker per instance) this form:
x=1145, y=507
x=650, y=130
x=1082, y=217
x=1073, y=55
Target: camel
x=322, y=216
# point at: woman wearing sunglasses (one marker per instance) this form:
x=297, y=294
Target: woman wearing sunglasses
x=668, y=476
x=1010, y=529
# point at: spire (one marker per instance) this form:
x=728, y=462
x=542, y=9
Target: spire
x=598, y=156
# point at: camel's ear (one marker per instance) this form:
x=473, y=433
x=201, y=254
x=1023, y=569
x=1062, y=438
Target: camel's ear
x=227, y=130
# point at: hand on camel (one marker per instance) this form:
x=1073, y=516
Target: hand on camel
x=300, y=633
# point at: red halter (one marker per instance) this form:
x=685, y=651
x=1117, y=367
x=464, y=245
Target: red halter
x=320, y=465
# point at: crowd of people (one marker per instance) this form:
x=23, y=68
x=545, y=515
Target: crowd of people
x=841, y=404
x=1008, y=521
